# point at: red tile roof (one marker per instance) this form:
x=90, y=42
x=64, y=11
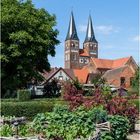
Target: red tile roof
x=83, y=52
x=109, y=64
x=81, y=74
x=120, y=62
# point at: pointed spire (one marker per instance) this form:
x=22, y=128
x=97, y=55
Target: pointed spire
x=72, y=33
x=90, y=37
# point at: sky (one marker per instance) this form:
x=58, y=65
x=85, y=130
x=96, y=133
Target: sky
x=115, y=23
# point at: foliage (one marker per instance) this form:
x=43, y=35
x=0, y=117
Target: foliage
x=52, y=89
x=119, y=127
x=136, y=102
x=27, y=109
x=106, y=136
x=23, y=95
x=29, y=36
x=98, y=80
x=77, y=84
x=6, y=130
x=115, y=105
x=136, y=80
x=73, y=95
x=64, y=124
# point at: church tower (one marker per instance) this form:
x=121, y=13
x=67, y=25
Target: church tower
x=90, y=43
x=72, y=46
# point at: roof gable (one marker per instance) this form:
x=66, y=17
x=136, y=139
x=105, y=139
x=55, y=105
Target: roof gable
x=53, y=72
x=81, y=74
x=83, y=52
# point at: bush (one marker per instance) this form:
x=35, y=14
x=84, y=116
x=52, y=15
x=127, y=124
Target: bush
x=65, y=124
x=136, y=102
x=23, y=95
x=119, y=127
x=52, y=89
x=27, y=109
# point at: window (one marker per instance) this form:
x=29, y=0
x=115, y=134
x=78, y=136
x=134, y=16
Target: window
x=81, y=60
x=66, y=57
x=60, y=77
x=74, y=57
x=86, y=61
x=122, y=81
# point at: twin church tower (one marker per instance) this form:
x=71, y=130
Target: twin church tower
x=76, y=58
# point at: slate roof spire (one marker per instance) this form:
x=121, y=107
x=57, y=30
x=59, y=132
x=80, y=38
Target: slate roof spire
x=72, y=33
x=90, y=37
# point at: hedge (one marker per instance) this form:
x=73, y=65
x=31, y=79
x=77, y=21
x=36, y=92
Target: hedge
x=27, y=109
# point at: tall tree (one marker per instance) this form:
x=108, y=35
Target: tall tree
x=136, y=80
x=28, y=37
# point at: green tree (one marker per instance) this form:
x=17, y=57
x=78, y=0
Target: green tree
x=136, y=80
x=28, y=37
x=98, y=80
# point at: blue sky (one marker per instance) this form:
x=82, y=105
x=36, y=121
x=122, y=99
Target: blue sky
x=115, y=23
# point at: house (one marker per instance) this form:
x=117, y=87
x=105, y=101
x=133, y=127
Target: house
x=58, y=73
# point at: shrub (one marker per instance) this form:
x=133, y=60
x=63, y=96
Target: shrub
x=8, y=130
x=23, y=95
x=52, y=89
x=64, y=124
x=73, y=95
x=115, y=105
x=27, y=109
x=119, y=127
x=136, y=102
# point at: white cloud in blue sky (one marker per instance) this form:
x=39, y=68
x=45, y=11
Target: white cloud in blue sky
x=136, y=38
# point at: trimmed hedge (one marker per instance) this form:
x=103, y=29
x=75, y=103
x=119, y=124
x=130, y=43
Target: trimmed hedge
x=27, y=109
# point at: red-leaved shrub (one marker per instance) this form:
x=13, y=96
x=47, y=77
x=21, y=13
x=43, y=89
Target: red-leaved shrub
x=115, y=105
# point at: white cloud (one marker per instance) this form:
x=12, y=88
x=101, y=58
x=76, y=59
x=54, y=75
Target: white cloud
x=82, y=28
x=136, y=38
x=104, y=29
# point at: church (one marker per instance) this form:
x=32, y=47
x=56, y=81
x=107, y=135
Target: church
x=75, y=57
x=85, y=63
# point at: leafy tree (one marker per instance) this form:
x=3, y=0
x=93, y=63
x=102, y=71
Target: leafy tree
x=28, y=37
x=77, y=84
x=136, y=81
x=98, y=80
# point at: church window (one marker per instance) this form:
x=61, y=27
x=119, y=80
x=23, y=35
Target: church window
x=68, y=57
x=74, y=57
x=81, y=60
